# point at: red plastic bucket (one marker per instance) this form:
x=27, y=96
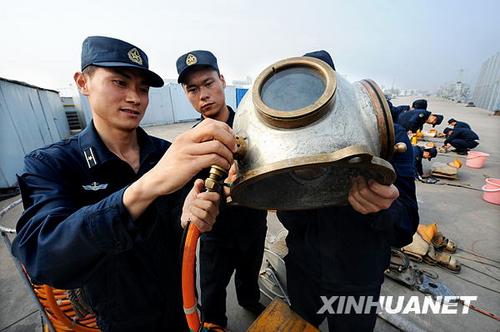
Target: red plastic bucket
x=476, y=159
x=491, y=191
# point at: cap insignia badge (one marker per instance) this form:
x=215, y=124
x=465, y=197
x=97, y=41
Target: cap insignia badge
x=135, y=56
x=191, y=60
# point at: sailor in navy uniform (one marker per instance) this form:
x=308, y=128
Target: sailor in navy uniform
x=92, y=202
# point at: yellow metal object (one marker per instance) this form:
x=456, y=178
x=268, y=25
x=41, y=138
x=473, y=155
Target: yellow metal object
x=216, y=174
x=455, y=163
x=414, y=140
x=427, y=232
x=400, y=147
x=278, y=317
x=241, y=144
x=430, y=145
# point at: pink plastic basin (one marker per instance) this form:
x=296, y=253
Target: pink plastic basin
x=476, y=159
x=491, y=191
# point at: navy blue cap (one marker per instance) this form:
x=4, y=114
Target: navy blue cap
x=110, y=52
x=439, y=119
x=447, y=130
x=451, y=120
x=323, y=56
x=432, y=151
x=420, y=104
x=195, y=60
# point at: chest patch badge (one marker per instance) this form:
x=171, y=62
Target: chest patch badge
x=89, y=157
x=94, y=186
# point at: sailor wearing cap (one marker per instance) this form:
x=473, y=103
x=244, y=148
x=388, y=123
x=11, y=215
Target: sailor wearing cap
x=415, y=119
x=458, y=124
x=420, y=152
x=344, y=250
x=460, y=139
x=101, y=207
x=236, y=243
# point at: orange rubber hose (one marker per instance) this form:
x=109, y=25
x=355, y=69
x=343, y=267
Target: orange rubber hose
x=188, y=278
x=52, y=305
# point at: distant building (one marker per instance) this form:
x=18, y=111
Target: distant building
x=458, y=92
x=75, y=117
x=487, y=91
x=30, y=117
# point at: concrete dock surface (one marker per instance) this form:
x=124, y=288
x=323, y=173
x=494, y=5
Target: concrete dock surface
x=455, y=205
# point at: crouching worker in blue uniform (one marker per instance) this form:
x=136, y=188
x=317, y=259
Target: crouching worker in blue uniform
x=343, y=251
x=420, y=152
x=458, y=124
x=460, y=140
x=91, y=202
x=415, y=118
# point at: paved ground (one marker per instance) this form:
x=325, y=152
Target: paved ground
x=460, y=212
x=463, y=216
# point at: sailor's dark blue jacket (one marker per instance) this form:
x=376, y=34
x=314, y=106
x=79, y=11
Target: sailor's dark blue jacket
x=461, y=134
x=413, y=119
x=75, y=232
x=461, y=124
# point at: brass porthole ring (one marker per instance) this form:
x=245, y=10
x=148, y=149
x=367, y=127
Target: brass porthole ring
x=304, y=115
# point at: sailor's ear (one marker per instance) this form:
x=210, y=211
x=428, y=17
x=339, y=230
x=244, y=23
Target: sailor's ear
x=81, y=81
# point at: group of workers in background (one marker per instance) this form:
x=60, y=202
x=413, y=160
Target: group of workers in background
x=459, y=137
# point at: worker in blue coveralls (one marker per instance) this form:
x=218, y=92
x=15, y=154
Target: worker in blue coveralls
x=236, y=243
x=396, y=110
x=91, y=202
x=415, y=118
x=343, y=251
x=420, y=153
x=458, y=124
x=460, y=140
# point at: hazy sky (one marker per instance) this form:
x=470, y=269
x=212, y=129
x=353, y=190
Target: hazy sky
x=411, y=44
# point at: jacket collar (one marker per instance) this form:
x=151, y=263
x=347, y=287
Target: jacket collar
x=230, y=119
x=95, y=152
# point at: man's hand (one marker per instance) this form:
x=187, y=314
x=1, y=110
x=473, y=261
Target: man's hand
x=210, y=143
x=371, y=197
x=231, y=177
x=200, y=207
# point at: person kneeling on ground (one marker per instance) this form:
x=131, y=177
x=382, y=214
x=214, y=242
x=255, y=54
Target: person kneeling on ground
x=460, y=140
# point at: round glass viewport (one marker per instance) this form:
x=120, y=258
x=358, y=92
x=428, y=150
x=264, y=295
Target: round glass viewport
x=292, y=89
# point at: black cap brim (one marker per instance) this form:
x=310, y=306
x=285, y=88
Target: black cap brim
x=153, y=79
